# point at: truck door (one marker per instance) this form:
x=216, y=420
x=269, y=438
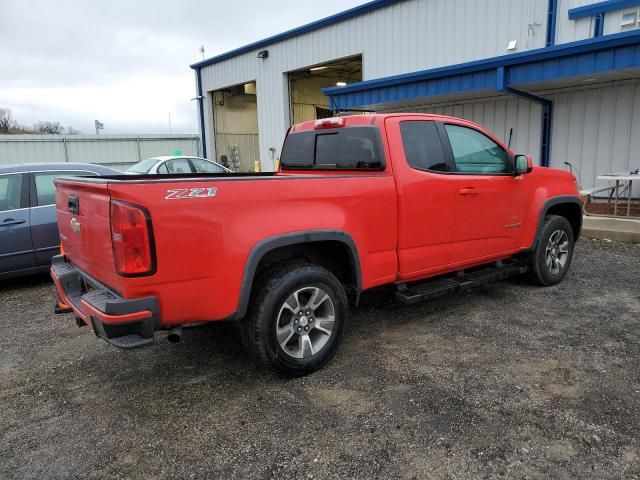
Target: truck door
x=489, y=199
x=425, y=196
x=16, y=250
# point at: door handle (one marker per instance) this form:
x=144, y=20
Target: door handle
x=468, y=191
x=11, y=221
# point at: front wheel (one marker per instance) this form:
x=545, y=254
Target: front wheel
x=552, y=256
x=296, y=319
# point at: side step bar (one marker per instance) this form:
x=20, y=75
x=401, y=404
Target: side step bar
x=418, y=292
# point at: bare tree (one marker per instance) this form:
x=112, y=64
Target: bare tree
x=7, y=122
x=72, y=131
x=51, y=128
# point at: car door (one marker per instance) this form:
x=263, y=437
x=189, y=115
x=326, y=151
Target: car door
x=489, y=200
x=16, y=249
x=425, y=196
x=44, y=226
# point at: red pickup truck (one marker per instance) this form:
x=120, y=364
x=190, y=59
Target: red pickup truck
x=429, y=203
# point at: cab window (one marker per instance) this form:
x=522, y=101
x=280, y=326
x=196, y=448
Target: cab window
x=10, y=192
x=475, y=153
x=347, y=148
x=422, y=146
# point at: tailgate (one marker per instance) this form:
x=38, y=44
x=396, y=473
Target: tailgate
x=82, y=210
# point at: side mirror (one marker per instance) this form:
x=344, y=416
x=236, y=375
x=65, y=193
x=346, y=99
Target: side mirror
x=524, y=164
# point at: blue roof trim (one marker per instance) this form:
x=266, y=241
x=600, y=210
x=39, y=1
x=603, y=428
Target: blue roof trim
x=541, y=54
x=601, y=7
x=586, y=63
x=309, y=27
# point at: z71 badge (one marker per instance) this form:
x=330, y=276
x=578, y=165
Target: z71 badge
x=182, y=193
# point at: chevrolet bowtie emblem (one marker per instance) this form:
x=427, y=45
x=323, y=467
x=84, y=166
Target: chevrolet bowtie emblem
x=75, y=225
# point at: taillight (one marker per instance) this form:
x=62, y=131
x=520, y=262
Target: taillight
x=131, y=238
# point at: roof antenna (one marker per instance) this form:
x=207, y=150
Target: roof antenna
x=336, y=107
x=510, y=137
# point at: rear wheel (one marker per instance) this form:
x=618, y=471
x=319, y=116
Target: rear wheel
x=296, y=319
x=552, y=257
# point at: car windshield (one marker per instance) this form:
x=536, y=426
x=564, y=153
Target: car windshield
x=144, y=166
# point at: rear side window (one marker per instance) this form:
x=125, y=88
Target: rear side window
x=179, y=165
x=10, y=192
x=348, y=148
x=202, y=166
x=422, y=146
x=46, y=190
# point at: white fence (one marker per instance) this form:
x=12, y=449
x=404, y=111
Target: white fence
x=115, y=151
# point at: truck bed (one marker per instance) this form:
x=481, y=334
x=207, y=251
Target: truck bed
x=202, y=242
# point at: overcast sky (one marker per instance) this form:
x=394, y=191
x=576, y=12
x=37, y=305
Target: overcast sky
x=126, y=63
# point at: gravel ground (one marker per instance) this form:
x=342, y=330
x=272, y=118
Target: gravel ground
x=508, y=380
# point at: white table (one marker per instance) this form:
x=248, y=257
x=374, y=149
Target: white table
x=621, y=177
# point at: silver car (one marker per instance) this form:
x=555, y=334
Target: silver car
x=176, y=164
x=28, y=229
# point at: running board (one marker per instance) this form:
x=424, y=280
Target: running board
x=437, y=287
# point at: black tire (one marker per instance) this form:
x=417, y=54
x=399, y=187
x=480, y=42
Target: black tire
x=548, y=270
x=273, y=290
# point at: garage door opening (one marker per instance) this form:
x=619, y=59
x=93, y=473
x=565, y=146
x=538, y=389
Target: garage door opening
x=235, y=117
x=306, y=100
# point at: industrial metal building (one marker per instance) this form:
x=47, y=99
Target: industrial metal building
x=559, y=78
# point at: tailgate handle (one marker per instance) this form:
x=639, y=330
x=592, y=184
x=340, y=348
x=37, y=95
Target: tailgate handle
x=74, y=204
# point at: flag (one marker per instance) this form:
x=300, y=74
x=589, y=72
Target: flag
x=324, y=113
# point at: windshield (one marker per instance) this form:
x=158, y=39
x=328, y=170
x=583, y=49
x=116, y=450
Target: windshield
x=144, y=166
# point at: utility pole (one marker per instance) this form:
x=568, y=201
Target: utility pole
x=169, y=123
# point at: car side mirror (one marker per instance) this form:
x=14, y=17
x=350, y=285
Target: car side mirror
x=524, y=164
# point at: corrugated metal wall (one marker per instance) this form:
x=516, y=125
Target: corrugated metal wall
x=499, y=115
x=598, y=130
x=117, y=151
x=408, y=36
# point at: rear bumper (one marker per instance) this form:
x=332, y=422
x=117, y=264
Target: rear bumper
x=121, y=322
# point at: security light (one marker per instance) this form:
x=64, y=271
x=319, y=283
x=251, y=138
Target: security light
x=263, y=54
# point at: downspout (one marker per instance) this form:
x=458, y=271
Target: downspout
x=200, y=97
x=598, y=25
x=552, y=17
x=547, y=112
